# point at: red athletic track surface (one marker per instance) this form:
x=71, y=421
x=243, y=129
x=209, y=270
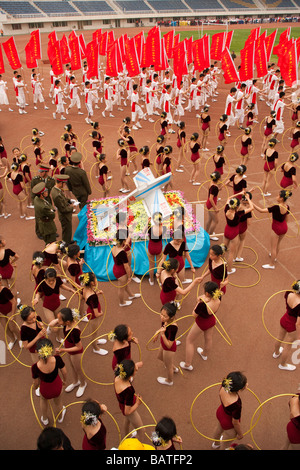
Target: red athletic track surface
x=240, y=313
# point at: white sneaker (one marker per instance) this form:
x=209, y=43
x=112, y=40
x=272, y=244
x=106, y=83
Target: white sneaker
x=103, y=114
x=135, y=296
x=102, y=341
x=268, y=266
x=200, y=351
x=44, y=421
x=101, y=352
x=287, y=367
x=232, y=271
x=183, y=366
x=138, y=125
x=71, y=387
x=54, y=115
x=187, y=281
x=29, y=218
x=79, y=112
x=239, y=260
x=136, y=279
x=111, y=115
x=151, y=120
x=62, y=297
x=126, y=304
x=46, y=107
x=62, y=415
x=151, y=282
x=63, y=118
x=135, y=128
x=164, y=381
x=179, y=171
x=81, y=390
x=279, y=354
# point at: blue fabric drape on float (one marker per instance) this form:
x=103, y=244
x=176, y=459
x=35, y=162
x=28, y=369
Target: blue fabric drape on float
x=100, y=260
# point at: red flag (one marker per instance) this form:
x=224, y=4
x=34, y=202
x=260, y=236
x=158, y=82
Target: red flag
x=260, y=57
x=121, y=43
x=111, y=60
x=52, y=38
x=103, y=43
x=283, y=50
x=284, y=37
x=74, y=47
x=11, y=52
x=298, y=48
x=97, y=35
x=255, y=32
x=198, y=54
x=217, y=45
x=189, y=49
x=168, y=42
x=228, y=39
x=110, y=38
x=92, y=58
x=164, y=63
x=82, y=46
x=228, y=67
x=144, y=61
x=246, y=71
x=269, y=41
x=289, y=65
x=64, y=50
x=139, y=40
x=55, y=58
x=2, y=69
x=206, y=45
x=31, y=61
x=153, y=46
x=35, y=37
x=131, y=58
x=180, y=61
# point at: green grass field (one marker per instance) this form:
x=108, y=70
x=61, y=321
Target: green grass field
x=240, y=36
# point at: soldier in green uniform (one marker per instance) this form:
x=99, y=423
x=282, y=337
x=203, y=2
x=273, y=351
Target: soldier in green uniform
x=42, y=177
x=78, y=182
x=44, y=213
x=64, y=207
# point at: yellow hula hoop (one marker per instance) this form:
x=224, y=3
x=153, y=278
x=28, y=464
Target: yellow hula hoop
x=249, y=153
x=211, y=438
x=239, y=264
x=175, y=321
x=132, y=274
x=81, y=403
x=10, y=350
x=263, y=315
x=290, y=150
x=83, y=353
x=256, y=257
x=6, y=342
x=221, y=185
x=198, y=161
x=33, y=407
x=260, y=407
x=227, y=162
x=226, y=337
x=22, y=140
x=142, y=297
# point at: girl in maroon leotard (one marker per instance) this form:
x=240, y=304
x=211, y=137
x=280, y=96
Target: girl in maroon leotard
x=8, y=259
x=167, y=272
x=8, y=306
x=131, y=149
x=165, y=435
x=94, y=312
x=32, y=329
x=229, y=412
x=205, y=127
x=204, y=313
x=223, y=130
x=177, y=248
x=155, y=246
x=233, y=214
x=128, y=400
x=74, y=269
x=195, y=158
x=24, y=169
x=37, y=150
x=219, y=159
x=94, y=430
x=243, y=227
x=217, y=267
x=270, y=122
x=247, y=146
x=46, y=376
x=49, y=291
x=289, y=327
x=69, y=319
x=167, y=335
x=122, y=336
x=159, y=154
x=237, y=181
x=181, y=136
x=211, y=205
x=19, y=189
x=270, y=157
x=122, y=269
x=122, y=155
x=167, y=165
x=295, y=137
x=280, y=213
x=289, y=172
x=145, y=153
x=293, y=426
x=103, y=173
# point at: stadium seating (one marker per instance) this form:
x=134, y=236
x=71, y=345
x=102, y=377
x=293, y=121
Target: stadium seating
x=168, y=5
x=18, y=9
x=209, y=5
x=90, y=7
x=273, y=4
x=239, y=4
x=54, y=8
x=132, y=5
